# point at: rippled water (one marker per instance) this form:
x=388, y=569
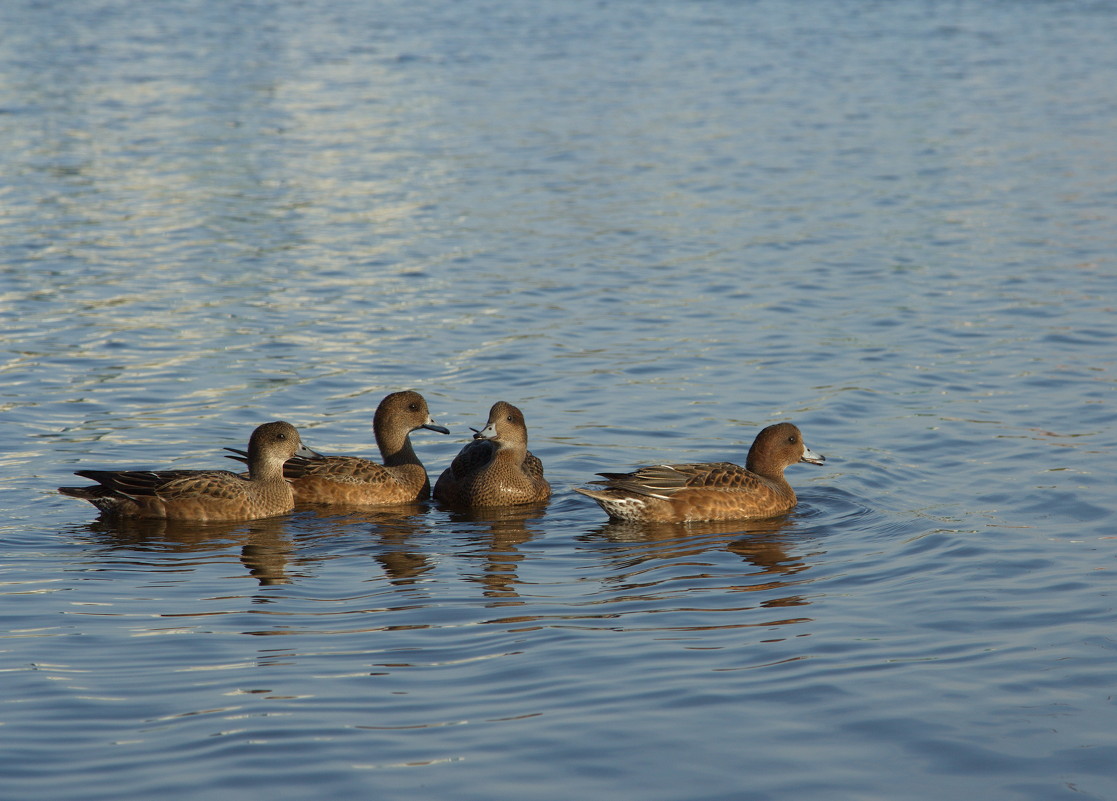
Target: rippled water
x=654, y=226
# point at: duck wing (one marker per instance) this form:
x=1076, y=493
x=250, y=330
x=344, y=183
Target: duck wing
x=473, y=457
x=168, y=484
x=532, y=467
x=664, y=480
x=343, y=469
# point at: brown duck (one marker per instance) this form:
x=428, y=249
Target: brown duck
x=713, y=491
x=351, y=480
x=202, y=495
x=496, y=468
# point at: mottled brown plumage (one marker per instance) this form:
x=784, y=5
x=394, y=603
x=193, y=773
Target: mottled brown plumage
x=496, y=468
x=351, y=480
x=710, y=491
x=202, y=495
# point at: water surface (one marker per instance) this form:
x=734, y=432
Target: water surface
x=656, y=227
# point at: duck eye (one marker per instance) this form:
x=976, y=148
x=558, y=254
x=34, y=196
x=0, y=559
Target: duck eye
x=281, y=436
x=413, y=407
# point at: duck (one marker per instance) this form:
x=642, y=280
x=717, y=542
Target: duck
x=495, y=468
x=353, y=481
x=682, y=493
x=203, y=495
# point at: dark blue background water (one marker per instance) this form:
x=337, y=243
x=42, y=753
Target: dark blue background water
x=654, y=226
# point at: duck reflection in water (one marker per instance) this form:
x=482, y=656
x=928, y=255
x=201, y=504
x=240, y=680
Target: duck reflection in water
x=494, y=535
x=402, y=561
x=265, y=544
x=764, y=544
x=394, y=529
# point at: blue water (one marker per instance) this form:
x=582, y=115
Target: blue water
x=655, y=227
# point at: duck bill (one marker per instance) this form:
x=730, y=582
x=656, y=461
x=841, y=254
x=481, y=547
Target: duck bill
x=488, y=432
x=307, y=453
x=810, y=457
x=430, y=425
